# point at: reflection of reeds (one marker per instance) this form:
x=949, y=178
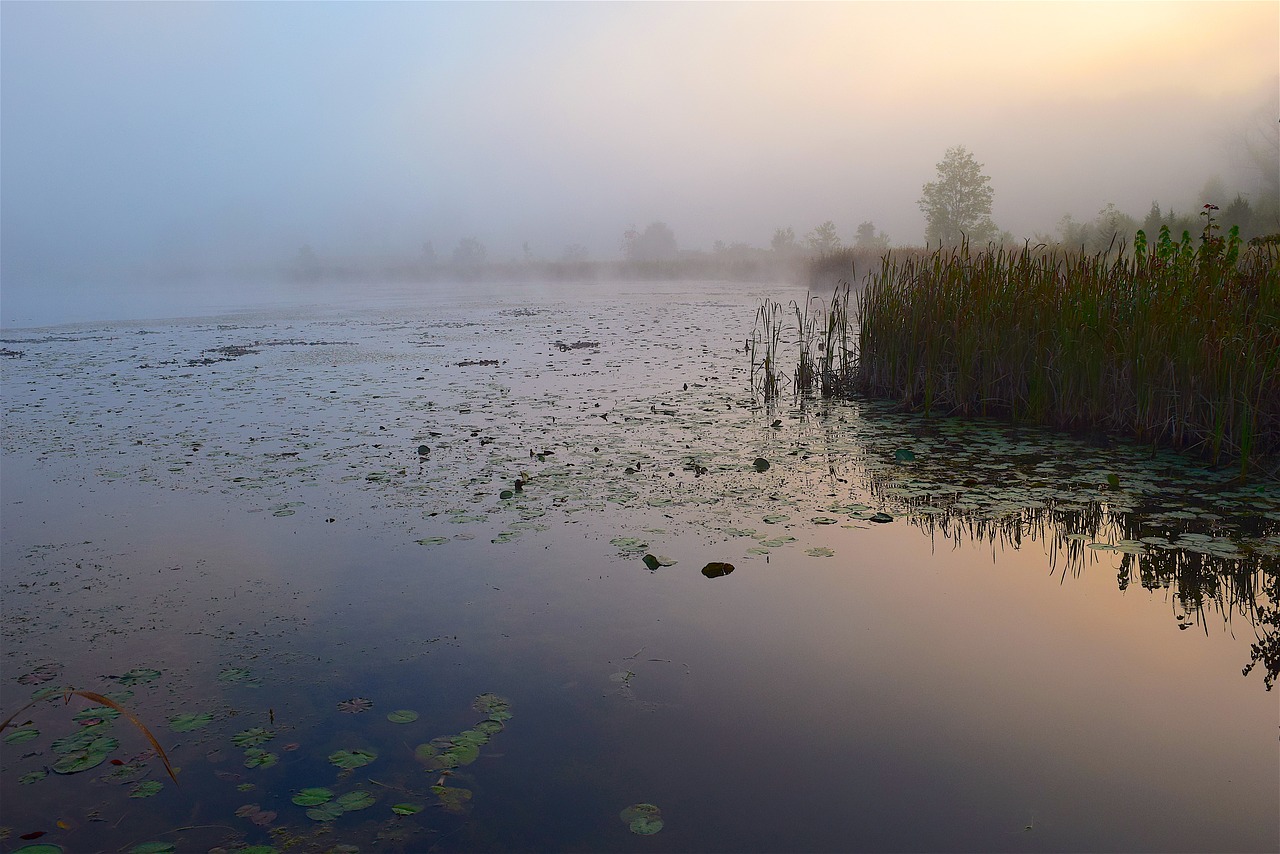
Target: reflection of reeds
x=808, y=320
x=1175, y=346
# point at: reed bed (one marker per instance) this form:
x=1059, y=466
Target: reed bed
x=1175, y=344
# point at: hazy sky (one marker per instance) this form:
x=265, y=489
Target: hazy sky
x=203, y=133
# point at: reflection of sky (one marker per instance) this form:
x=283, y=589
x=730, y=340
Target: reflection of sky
x=904, y=693
x=201, y=133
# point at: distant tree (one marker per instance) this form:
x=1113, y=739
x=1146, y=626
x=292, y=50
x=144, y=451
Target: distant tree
x=656, y=243
x=784, y=241
x=867, y=238
x=1214, y=192
x=1239, y=213
x=469, y=252
x=428, y=254
x=574, y=253
x=1112, y=228
x=527, y=250
x=1154, y=219
x=958, y=204
x=307, y=265
x=824, y=240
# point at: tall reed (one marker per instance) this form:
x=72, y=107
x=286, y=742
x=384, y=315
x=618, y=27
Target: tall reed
x=1174, y=344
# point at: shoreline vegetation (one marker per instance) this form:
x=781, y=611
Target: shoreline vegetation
x=1175, y=343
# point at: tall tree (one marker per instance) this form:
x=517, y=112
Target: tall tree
x=867, y=238
x=824, y=240
x=469, y=252
x=656, y=243
x=958, y=204
x=784, y=240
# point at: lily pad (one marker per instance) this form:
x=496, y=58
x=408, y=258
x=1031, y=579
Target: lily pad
x=238, y=674
x=644, y=819
x=313, y=797
x=495, y=707
x=146, y=789
x=325, y=812
x=903, y=455
x=775, y=518
x=355, y=705
x=138, y=676
x=357, y=800
x=717, y=569
x=820, y=551
x=654, y=561
x=349, y=759
x=761, y=464
x=90, y=756
x=881, y=517
x=153, y=848
x=20, y=736
x=34, y=776
x=432, y=541
x=43, y=673
x=39, y=848
x=252, y=737
x=189, y=721
x=256, y=757
x=407, y=809
x=402, y=716
x=629, y=544
x=452, y=799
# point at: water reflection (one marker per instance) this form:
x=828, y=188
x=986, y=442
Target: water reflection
x=1211, y=541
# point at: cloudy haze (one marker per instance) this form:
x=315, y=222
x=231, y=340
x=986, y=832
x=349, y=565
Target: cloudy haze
x=211, y=135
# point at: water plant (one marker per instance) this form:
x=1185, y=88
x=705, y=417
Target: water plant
x=1177, y=344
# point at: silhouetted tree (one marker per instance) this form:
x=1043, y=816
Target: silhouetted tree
x=1239, y=213
x=784, y=241
x=307, y=265
x=958, y=204
x=428, y=254
x=867, y=238
x=824, y=240
x=469, y=252
x=574, y=252
x=656, y=243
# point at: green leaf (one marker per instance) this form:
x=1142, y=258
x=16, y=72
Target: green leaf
x=432, y=541
x=138, y=676
x=644, y=819
x=356, y=800
x=87, y=757
x=189, y=721
x=153, y=848
x=252, y=737
x=629, y=544
x=495, y=707
x=402, y=716
x=349, y=759
x=21, y=736
x=406, y=809
x=256, y=757
x=34, y=776
x=761, y=464
x=312, y=797
x=453, y=800
x=325, y=812
x=903, y=455
x=39, y=848
x=146, y=789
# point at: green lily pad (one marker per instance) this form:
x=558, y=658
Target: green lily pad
x=820, y=551
x=153, y=848
x=146, y=789
x=96, y=713
x=256, y=757
x=1113, y=480
x=20, y=736
x=654, y=561
x=452, y=799
x=407, y=809
x=188, y=721
x=775, y=518
x=903, y=455
x=506, y=494
x=33, y=777
x=425, y=752
x=823, y=520
x=39, y=848
x=258, y=849
x=402, y=716
x=761, y=464
x=357, y=800
x=90, y=756
x=464, y=753
x=629, y=544
x=881, y=517
x=432, y=541
x=349, y=759
x=494, y=707
x=325, y=812
x=717, y=569
x=488, y=727
x=312, y=797
x=138, y=676
x=78, y=740
x=644, y=819
x=237, y=674
x=252, y=737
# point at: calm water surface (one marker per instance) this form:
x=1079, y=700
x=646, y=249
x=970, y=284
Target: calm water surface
x=234, y=519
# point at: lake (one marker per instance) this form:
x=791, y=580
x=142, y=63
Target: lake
x=532, y=568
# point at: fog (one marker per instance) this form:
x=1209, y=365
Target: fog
x=181, y=143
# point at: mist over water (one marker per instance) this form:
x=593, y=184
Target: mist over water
x=150, y=150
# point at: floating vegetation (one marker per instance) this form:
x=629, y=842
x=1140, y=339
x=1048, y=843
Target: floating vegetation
x=717, y=569
x=654, y=562
x=188, y=721
x=643, y=819
x=402, y=716
x=252, y=737
x=355, y=705
x=351, y=759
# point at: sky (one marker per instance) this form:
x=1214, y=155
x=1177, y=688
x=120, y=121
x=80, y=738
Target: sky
x=156, y=135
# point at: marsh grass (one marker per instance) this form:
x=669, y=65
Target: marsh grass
x=766, y=337
x=1174, y=344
